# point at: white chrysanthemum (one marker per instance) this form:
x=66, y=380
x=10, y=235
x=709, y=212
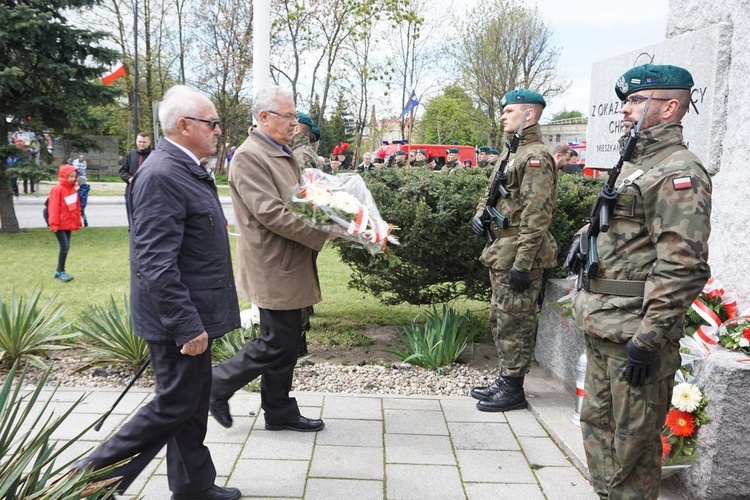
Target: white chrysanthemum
x=345, y=202
x=686, y=397
x=318, y=195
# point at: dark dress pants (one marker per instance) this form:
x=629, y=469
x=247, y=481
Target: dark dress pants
x=272, y=355
x=177, y=416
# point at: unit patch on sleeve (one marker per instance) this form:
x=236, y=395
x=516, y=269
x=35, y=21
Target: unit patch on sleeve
x=535, y=162
x=682, y=183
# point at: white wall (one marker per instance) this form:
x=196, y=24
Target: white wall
x=730, y=236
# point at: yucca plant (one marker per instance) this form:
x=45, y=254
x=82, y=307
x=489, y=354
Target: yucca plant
x=29, y=467
x=109, y=337
x=28, y=330
x=228, y=345
x=440, y=341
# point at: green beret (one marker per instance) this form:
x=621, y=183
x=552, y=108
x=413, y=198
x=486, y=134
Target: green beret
x=304, y=119
x=316, y=131
x=451, y=150
x=421, y=152
x=653, y=76
x=400, y=153
x=522, y=96
x=494, y=152
x=484, y=149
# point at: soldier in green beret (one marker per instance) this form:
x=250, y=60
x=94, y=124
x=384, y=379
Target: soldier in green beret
x=652, y=265
x=301, y=148
x=420, y=158
x=519, y=253
x=492, y=158
x=483, y=156
x=452, y=162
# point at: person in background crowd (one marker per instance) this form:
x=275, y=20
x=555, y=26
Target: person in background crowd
x=80, y=164
x=420, y=158
x=366, y=162
x=378, y=162
x=492, y=158
x=83, y=195
x=182, y=297
x=563, y=155
x=653, y=262
x=452, y=163
x=14, y=161
x=519, y=253
x=483, y=156
x=399, y=159
x=230, y=155
x=64, y=215
x=467, y=163
x=276, y=266
x=132, y=162
x=303, y=151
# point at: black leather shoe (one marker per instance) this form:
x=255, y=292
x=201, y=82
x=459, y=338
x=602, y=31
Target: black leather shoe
x=485, y=392
x=212, y=493
x=510, y=397
x=220, y=411
x=300, y=424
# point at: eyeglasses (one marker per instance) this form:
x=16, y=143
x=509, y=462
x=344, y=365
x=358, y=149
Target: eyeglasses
x=290, y=117
x=212, y=123
x=634, y=100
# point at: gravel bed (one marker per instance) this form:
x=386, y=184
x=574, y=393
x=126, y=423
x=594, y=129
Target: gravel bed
x=309, y=376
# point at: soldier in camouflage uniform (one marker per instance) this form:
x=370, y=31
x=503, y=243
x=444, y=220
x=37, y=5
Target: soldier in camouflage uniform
x=452, y=163
x=301, y=148
x=520, y=253
x=483, y=156
x=652, y=265
x=492, y=158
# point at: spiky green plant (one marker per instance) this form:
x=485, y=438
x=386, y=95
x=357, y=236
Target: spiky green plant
x=440, y=341
x=109, y=337
x=228, y=345
x=28, y=330
x=30, y=464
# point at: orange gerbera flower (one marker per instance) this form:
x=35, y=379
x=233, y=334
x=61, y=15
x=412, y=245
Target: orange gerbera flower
x=681, y=423
x=666, y=448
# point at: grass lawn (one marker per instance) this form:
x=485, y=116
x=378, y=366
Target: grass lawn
x=99, y=262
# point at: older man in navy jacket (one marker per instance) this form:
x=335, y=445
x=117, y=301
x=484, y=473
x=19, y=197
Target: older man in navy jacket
x=182, y=295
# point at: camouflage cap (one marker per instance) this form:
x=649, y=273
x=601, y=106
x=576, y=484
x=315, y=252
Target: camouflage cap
x=494, y=152
x=483, y=149
x=304, y=119
x=451, y=150
x=522, y=96
x=653, y=76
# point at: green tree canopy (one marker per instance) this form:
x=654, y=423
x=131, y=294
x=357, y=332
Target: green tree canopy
x=566, y=115
x=49, y=79
x=452, y=116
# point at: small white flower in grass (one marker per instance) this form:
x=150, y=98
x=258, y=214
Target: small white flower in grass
x=686, y=397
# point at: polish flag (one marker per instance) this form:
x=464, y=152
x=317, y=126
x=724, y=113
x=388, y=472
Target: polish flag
x=118, y=72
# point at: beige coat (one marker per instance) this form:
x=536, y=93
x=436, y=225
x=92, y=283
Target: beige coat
x=276, y=250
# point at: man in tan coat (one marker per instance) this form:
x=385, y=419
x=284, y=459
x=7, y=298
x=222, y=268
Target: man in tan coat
x=275, y=265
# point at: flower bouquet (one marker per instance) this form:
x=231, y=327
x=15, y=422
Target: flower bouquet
x=713, y=307
x=735, y=334
x=678, y=437
x=341, y=204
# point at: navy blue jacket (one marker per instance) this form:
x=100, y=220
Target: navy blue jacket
x=181, y=280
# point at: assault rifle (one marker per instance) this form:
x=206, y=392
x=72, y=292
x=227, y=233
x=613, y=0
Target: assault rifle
x=498, y=189
x=583, y=257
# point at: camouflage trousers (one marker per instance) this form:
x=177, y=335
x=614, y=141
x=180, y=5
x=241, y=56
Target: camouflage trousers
x=513, y=322
x=621, y=424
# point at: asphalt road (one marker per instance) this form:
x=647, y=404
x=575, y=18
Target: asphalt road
x=101, y=211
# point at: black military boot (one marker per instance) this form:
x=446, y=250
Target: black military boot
x=510, y=396
x=486, y=392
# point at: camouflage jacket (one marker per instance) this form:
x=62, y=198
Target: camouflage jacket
x=658, y=234
x=303, y=152
x=532, y=183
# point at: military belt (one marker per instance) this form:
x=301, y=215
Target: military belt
x=504, y=233
x=623, y=288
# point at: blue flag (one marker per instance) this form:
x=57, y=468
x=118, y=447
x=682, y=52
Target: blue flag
x=413, y=102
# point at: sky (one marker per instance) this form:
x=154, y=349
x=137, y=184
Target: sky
x=587, y=31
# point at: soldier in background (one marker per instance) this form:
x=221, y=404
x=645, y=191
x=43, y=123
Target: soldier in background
x=301, y=148
x=492, y=158
x=483, y=156
x=520, y=253
x=563, y=155
x=420, y=158
x=452, y=163
x=652, y=265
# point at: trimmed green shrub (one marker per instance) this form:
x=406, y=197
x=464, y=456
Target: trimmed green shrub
x=28, y=330
x=109, y=336
x=440, y=341
x=437, y=260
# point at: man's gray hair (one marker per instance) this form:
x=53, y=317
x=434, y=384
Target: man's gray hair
x=267, y=97
x=178, y=101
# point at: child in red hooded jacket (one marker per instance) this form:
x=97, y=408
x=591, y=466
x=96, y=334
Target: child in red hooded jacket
x=64, y=214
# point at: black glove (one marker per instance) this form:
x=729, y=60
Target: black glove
x=638, y=366
x=520, y=281
x=477, y=226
